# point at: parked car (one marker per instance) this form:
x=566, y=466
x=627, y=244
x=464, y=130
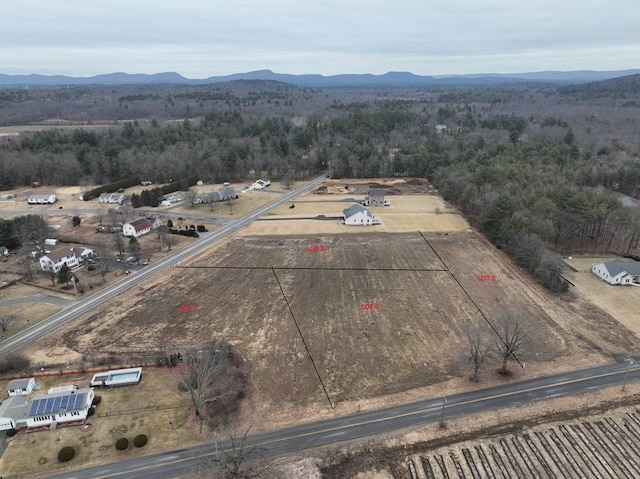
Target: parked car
x=132, y=259
x=247, y=189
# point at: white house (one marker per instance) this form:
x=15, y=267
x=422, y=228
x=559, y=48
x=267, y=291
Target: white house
x=21, y=387
x=140, y=227
x=359, y=215
x=111, y=198
x=54, y=261
x=618, y=272
x=4, y=251
x=42, y=199
x=46, y=410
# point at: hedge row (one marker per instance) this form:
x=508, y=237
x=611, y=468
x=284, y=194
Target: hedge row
x=110, y=188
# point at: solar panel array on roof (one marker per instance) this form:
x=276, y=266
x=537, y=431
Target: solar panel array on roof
x=70, y=402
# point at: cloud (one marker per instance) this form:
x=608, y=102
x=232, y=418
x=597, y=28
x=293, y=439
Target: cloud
x=200, y=38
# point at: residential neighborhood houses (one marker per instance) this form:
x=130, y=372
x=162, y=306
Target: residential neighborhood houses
x=375, y=197
x=72, y=257
x=618, y=272
x=222, y=194
x=42, y=199
x=359, y=215
x=140, y=227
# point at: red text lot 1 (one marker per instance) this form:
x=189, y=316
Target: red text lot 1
x=486, y=277
x=370, y=307
x=184, y=308
x=315, y=248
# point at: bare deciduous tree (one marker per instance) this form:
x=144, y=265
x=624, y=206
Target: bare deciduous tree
x=210, y=375
x=191, y=196
x=102, y=257
x=237, y=458
x=512, y=339
x=479, y=346
x=6, y=320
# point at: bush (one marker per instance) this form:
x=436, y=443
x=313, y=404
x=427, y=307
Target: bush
x=122, y=444
x=140, y=440
x=201, y=229
x=96, y=400
x=11, y=432
x=66, y=454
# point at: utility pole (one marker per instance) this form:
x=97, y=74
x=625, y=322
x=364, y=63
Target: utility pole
x=626, y=374
x=444, y=403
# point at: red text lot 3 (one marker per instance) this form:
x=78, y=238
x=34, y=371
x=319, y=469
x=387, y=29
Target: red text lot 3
x=486, y=277
x=315, y=248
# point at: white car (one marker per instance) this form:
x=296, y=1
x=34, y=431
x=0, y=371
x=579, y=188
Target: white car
x=247, y=189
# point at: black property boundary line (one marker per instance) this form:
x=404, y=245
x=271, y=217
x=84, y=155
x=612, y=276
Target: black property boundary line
x=313, y=363
x=470, y=299
x=319, y=268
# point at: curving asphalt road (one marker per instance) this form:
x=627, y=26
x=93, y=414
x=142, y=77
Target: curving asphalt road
x=39, y=298
x=173, y=464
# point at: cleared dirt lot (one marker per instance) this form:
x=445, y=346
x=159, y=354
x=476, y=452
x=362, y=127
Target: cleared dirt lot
x=360, y=354
x=621, y=302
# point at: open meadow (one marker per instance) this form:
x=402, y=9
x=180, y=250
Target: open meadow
x=379, y=314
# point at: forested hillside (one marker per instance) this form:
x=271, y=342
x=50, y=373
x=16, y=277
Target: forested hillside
x=529, y=164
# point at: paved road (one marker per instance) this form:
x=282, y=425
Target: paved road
x=173, y=464
x=54, y=322
x=40, y=298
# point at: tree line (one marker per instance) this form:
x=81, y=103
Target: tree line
x=528, y=173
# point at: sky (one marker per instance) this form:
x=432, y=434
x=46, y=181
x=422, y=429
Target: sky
x=203, y=38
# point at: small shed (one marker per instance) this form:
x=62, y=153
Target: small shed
x=21, y=387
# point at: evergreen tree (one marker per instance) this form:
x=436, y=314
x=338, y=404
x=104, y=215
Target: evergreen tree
x=64, y=274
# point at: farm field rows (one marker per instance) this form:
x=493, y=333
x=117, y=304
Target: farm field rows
x=606, y=446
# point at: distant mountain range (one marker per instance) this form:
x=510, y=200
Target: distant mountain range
x=387, y=79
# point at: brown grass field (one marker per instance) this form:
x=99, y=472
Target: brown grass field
x=411, y=344
x=393, y=349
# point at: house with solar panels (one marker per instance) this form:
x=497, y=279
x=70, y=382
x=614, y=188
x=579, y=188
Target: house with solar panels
x=46, y=410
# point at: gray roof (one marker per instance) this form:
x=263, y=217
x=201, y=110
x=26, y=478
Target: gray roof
x=619, y=266
x=352, y=210
x=15, y=407
x=19, y=383
x=227, y=192
x=377, y=192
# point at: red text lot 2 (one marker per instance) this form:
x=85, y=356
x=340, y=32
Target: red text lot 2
x=486, y=277
x=369, y=307
x=315, y=248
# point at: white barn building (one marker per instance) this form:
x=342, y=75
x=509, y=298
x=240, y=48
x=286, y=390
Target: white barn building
x=618, y=272
x=140, y=227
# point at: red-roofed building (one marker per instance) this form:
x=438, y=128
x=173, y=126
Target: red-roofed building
x=140, y=227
